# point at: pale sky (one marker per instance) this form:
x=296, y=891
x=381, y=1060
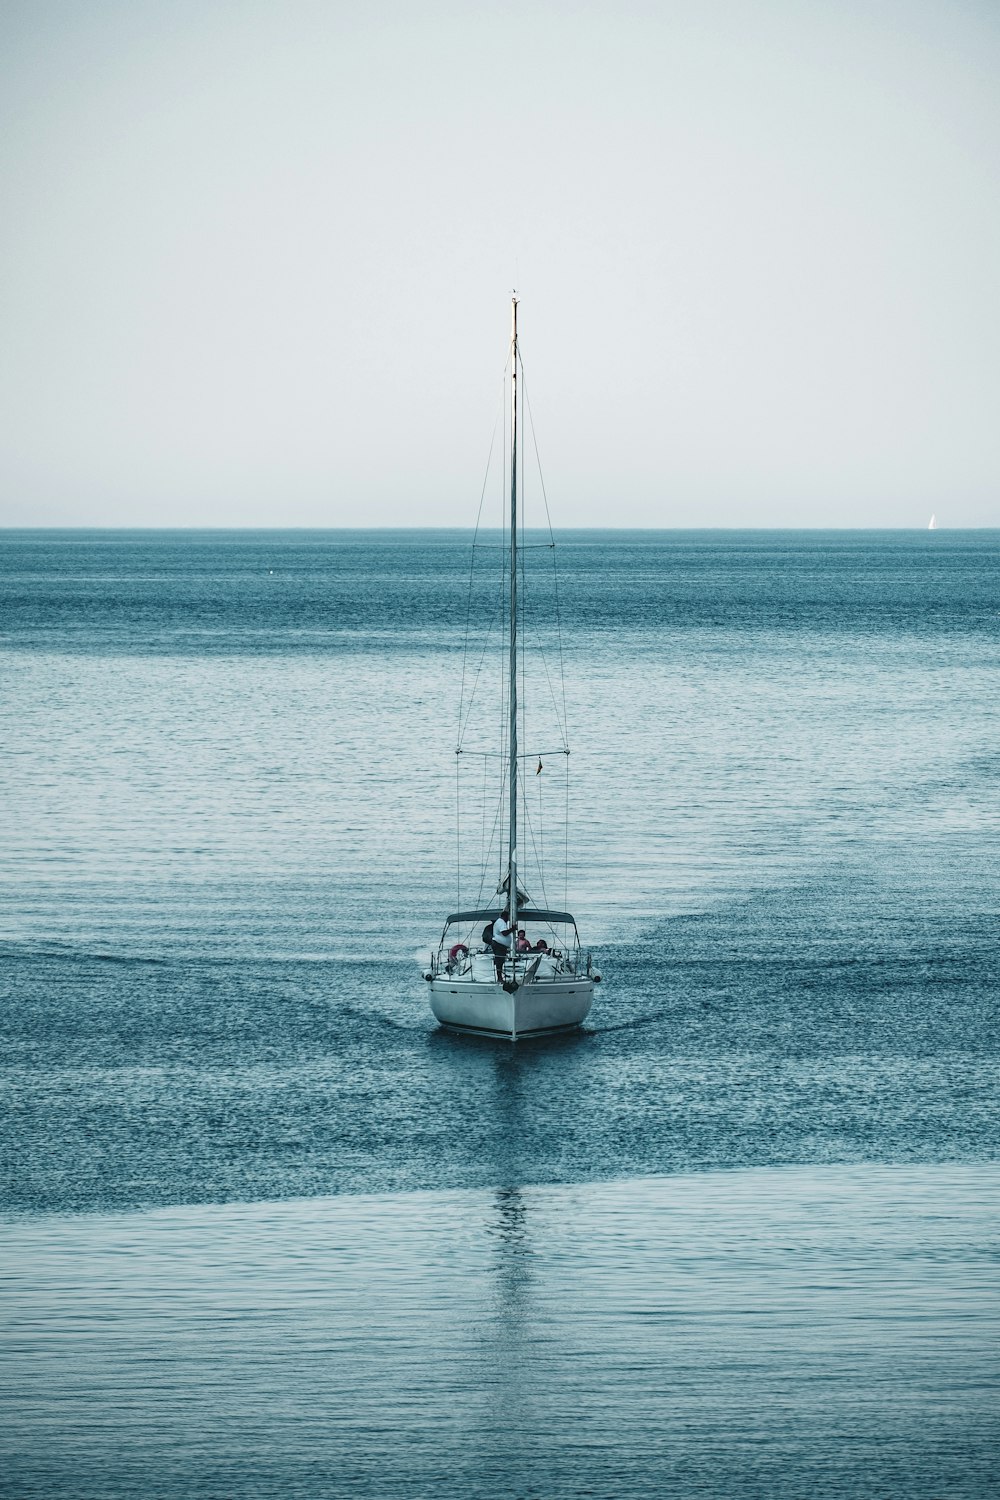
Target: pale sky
x=257, y=256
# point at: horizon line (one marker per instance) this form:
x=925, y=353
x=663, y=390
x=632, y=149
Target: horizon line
x=53, y=527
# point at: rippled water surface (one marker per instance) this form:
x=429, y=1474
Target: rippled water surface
x=228, y=775
x=829, y=1331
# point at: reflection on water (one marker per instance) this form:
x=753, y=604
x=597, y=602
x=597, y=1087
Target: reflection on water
x=513, y=1258
x=507, y=1329
x=728, y=1334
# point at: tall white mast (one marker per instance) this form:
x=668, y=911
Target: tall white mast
x=512, y=666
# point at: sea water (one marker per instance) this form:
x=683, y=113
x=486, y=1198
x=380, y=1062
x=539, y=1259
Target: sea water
x=267, y=1230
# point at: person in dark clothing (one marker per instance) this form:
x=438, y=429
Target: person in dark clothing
x=503, y=936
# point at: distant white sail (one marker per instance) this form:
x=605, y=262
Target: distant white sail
x=932, y=524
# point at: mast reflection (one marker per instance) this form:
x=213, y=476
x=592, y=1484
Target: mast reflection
x=507, y=1223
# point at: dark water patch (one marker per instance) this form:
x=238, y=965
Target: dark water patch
x=256, y=593
x=759, y=1034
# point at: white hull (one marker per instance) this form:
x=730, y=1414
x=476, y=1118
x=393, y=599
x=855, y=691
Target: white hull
x=532, y=1010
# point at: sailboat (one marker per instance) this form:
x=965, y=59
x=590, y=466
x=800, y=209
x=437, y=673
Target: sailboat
x=509, y=967
x=932, y=524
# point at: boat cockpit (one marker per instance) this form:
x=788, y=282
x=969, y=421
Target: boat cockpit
x=547, y=948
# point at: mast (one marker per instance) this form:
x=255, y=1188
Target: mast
x=512, y=665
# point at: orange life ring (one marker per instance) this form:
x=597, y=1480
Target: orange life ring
x=455, y=950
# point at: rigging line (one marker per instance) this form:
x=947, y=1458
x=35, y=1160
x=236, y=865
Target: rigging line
x=538, y=462
x=523, y=598
x=482, y=836
x=541, y=829
x=537, y=641
x=458, y=835
x=472, y=560
x=504, y=591
x=498, y=606
x=552, y=692
x=555, y=571
x=496, y=820
x=562, y=668
x=531, y=835
x=566, y=852
x=487, y=844
x=521, y=755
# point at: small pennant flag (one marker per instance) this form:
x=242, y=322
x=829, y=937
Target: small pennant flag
x=538, y=772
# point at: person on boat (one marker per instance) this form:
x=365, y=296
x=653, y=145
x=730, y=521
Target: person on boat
x=503, y=936
x=523, y=946
x=541, y=946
